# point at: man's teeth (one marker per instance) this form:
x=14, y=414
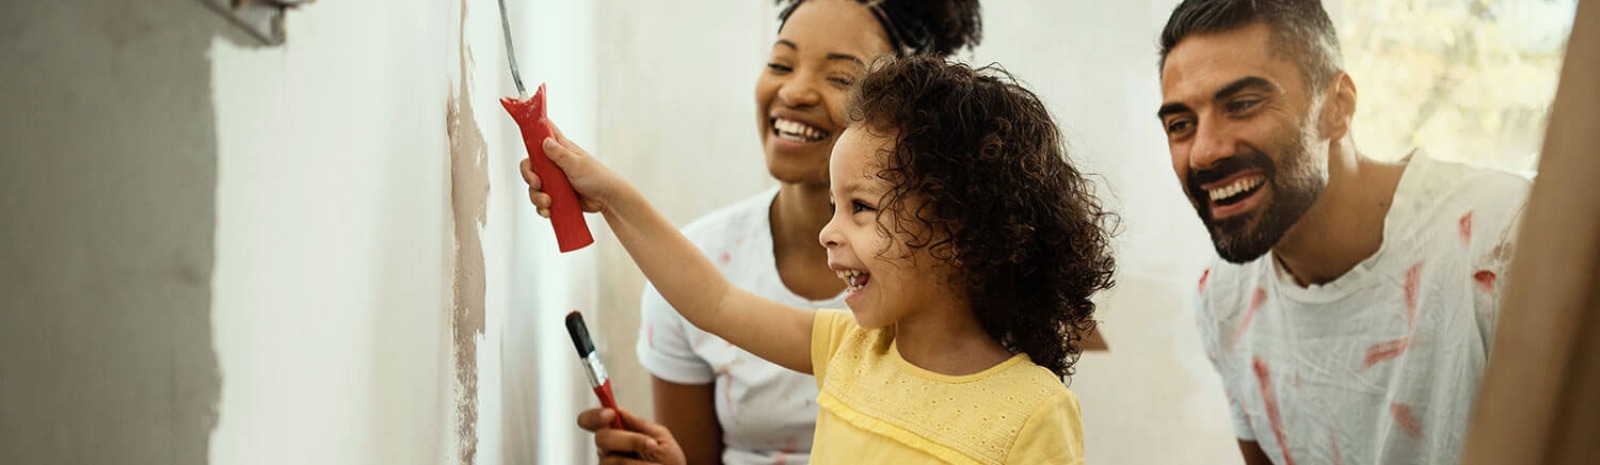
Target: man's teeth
x=1236, y=187
x=797, y=131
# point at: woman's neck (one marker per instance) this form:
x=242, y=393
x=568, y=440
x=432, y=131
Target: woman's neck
x=797, y=216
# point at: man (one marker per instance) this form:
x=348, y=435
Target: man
x=1352, y=309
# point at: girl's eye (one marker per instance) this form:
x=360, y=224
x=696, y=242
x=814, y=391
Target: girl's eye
x=842, y=81
x=779, y=68
x=858, y=206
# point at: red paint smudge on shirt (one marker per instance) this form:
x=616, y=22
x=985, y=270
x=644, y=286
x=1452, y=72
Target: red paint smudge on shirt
x=1407, y=421
x=1386, y=350
x=1203, y=276
x=790, y=446
x=1268, y=397
x=1256, y=300
x=724, y=258
x=1485, y=279
x=1465, y=227
x=1338, y=459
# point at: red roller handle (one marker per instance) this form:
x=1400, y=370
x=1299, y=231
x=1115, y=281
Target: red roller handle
x=566, y=216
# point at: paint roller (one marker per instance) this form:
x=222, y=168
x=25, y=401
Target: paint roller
x=566, y=215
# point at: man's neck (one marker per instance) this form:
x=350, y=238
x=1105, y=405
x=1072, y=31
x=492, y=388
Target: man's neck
x=1345, y=225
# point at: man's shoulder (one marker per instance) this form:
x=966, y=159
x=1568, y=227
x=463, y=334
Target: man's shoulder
x=1225, y=288
x=1493, y=195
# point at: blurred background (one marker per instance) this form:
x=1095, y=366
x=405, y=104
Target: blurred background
x=223, y=251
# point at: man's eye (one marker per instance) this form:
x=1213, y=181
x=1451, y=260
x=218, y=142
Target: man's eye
x=1242, y=105
x=1178, y=126
x=779, y=68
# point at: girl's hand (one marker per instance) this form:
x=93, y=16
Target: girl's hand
x=650, y=441
x=593, y=182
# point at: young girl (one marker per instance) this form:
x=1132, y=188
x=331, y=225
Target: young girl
x=969, y=247
x=726, y=405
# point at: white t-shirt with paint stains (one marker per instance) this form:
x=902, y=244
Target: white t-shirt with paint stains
x=1381, y=365
x=768, y=413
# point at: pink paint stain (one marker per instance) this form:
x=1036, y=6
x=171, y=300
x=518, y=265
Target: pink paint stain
x=724, y=258
x=1203, y=277
x=1485, y=279
x=1465, y=227
x=1338, y=459
x=1386, y=350
x=1260, y=297
x=1268, y=397
x=790, y=446
x=1407, y=421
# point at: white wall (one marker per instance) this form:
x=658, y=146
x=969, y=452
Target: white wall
x=333, y=272
x=337, y=289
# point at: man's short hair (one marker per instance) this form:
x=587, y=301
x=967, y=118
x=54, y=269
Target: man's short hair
x=1301, y=31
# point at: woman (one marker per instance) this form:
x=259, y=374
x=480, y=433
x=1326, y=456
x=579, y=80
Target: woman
x=722, y=404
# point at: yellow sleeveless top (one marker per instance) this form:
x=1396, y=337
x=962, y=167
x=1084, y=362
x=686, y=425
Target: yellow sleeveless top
x=878, y=408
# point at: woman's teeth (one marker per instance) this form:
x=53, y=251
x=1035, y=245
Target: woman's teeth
x=797, y=131
x=1235, y=188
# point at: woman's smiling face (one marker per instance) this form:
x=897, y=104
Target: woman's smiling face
x=823, y=48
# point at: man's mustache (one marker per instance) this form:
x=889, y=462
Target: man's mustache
x=1244, y=161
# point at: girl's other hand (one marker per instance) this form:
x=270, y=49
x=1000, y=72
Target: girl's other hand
x=593, y=182
x=652, y=442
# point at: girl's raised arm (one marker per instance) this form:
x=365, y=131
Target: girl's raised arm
x=683, y=275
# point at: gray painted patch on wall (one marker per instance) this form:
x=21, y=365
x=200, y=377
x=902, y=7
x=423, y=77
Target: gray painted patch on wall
x=469, y=200
x=107, y=194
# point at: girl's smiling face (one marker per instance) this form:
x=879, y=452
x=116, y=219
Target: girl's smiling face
x=887, y=280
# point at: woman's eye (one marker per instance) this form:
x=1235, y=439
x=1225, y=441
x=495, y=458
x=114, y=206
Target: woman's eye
x=779, y=68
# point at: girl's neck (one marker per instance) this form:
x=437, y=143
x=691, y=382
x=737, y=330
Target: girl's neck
x=797, y=216
x=948, y=341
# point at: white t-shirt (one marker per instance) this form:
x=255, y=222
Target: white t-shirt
x=1381, y=365
x=768, y=413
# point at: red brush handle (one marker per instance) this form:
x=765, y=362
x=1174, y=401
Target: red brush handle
x=610, y=402
x=566, y=216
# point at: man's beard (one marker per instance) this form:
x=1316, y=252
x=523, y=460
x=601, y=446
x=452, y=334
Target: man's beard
x=1294, y=187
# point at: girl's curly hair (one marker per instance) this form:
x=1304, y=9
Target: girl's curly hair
x=994, y=196
x=918, y=27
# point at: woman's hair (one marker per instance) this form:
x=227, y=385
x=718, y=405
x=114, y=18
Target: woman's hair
x=918, y=27
x=979, y=178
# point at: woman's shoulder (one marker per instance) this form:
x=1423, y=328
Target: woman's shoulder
x=732, y=222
